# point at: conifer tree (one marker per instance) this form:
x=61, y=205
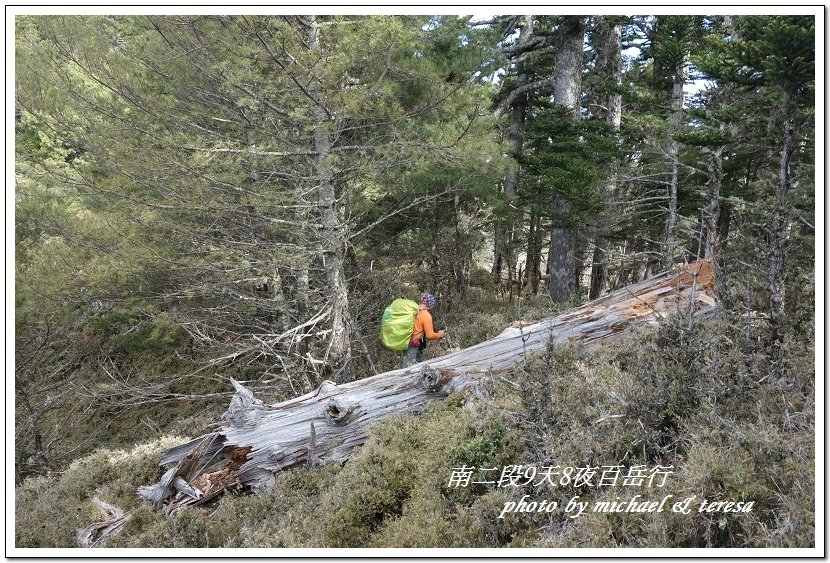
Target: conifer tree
x=237, y=146
x=772, y=59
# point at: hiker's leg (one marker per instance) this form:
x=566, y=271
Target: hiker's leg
x=409, y=356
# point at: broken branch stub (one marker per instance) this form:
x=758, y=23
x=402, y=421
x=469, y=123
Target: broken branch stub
x=324, y=426
x=340, y=411
x=245, y=409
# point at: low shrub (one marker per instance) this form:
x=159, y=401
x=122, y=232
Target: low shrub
x=50, y=509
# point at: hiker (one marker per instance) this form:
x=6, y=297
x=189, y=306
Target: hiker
x=422, y=331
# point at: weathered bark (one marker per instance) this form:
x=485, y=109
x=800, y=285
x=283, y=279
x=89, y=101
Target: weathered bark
x=724, y=223
x=339, y=352
x=324, y=426
x=100, y=533
x=561, y=285
x=711, y=208
x=462, y=262
x=711, y=214
x=599, y=268
x=580, y=251
x=566, y=91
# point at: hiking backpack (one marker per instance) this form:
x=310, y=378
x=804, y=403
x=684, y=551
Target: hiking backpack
x=397, y=324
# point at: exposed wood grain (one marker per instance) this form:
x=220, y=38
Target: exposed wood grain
x=99, y=533
x=256, y=441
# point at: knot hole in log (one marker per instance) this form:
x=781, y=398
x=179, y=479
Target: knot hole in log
x=339, y=411
x=431, y=379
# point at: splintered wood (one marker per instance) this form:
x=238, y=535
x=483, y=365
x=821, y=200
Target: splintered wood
x=98, y=534
x=256, y=441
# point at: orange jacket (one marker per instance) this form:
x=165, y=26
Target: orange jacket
x=423, y=325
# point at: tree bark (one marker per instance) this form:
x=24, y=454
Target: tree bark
x=561, y=278
x=609, y=55
x=463, y=259
x=724, y=223
x=257, y=441
x=505, y=251
x=100, y=533
x=339, y=351
x=711, y=214
x=566, y=91
x=533, y=270
x=681, y=75
x=779, y=231
x=599, y=268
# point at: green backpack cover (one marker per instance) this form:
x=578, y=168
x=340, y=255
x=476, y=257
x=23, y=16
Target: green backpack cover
x=397, y=324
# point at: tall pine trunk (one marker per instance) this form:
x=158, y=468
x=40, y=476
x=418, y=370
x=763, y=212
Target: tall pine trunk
x=711, y=209
x=566, y=92
x=711, y=215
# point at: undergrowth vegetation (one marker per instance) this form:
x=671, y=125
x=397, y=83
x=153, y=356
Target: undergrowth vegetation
x=695, y=400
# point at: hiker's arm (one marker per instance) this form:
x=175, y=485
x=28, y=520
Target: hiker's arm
x=428, y=330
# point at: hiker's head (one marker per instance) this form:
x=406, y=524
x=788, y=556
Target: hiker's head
x=427, y=300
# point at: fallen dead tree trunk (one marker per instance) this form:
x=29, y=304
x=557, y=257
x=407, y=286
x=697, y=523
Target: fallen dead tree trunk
x=255, y=441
